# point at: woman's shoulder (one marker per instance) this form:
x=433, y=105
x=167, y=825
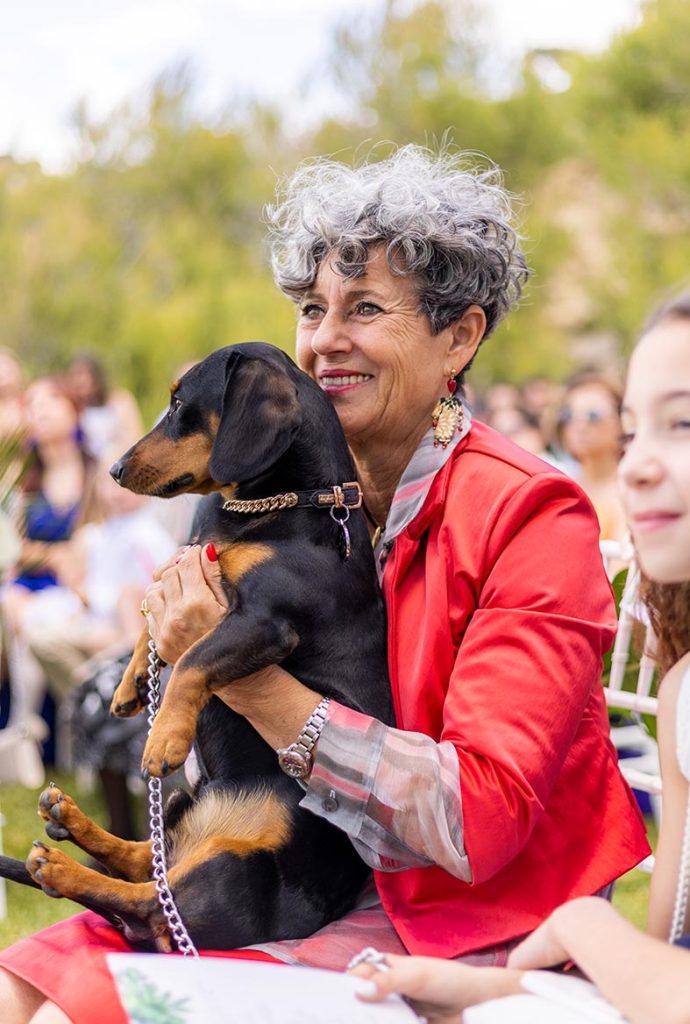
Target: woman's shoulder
x=487, y=445
x=490, y=467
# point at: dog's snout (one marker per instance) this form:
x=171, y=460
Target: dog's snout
x=116, y=470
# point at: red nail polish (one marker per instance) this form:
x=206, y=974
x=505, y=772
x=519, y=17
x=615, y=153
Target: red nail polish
x=211, y=552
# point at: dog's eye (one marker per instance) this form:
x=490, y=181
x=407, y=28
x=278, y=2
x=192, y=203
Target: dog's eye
x=175, y=405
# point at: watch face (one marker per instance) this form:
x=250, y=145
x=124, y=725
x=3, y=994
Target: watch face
x=293, y=763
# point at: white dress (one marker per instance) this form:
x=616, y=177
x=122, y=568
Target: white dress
x=558, y=999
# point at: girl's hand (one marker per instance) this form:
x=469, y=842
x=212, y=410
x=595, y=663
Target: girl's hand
x=185, y=601
x=438, y=990
x=548, y=946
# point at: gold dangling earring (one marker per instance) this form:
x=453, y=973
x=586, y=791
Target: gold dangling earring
x=448, y=415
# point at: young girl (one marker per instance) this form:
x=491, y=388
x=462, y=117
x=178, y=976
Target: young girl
x=639, y=973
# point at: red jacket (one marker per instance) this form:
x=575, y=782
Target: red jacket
x=499, y=614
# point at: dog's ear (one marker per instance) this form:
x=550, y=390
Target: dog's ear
x=258, y=421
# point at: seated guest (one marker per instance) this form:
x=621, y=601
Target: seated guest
x=643, y=976
x=109, y=418
x=589, y=431
x=55, y=496
x=102, y=575
x=497, y=796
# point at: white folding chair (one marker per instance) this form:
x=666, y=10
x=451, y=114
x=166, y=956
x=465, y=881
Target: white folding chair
x=640, y=763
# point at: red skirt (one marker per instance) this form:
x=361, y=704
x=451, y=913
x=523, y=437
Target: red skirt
x=67, y=963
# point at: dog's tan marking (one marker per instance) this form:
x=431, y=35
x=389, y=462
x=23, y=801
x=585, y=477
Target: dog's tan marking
x=229, y=491
x=129, y=859
x=174, y=387
x=174, y=729
x=126, y=697
x=237, y=559
x=224, y=822
x=76, y=882
x=156, y=460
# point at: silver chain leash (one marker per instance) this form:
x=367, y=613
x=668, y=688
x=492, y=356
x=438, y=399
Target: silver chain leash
x=179, y=933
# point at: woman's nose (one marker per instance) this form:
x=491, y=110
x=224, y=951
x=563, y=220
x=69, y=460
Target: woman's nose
x=331, y=335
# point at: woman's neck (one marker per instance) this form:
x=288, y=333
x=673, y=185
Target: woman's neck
x=379, y=469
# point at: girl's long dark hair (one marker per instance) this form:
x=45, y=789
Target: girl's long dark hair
x=668, y=605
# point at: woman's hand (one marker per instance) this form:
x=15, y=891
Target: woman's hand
x=436, y=989
x=185, y=601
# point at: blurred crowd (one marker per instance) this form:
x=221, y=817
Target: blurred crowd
x=76, y=552
x=575, y=426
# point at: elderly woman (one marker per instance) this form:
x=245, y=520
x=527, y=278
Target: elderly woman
x=485, y=807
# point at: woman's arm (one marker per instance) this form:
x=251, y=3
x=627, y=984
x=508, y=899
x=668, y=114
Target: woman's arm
x=674, y=804
x=392, y=824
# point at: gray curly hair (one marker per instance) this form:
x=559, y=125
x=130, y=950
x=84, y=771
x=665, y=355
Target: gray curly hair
x=442, y=220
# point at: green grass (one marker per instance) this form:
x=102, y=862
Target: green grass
x=631, y=895
x=29, y=910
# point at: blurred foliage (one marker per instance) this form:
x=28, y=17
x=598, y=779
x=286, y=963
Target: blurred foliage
x=150, y=250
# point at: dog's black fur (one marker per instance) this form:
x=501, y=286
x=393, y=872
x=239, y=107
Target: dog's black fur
x=243, y=423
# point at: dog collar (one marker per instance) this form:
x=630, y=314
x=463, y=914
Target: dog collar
x=339, y=496
x=338, y=499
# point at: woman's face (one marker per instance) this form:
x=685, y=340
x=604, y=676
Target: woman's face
x=654, y=472
x=50, y=414
x=365, y=342
x=591, y=425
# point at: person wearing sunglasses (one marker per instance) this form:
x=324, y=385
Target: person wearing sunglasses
x=589, y=431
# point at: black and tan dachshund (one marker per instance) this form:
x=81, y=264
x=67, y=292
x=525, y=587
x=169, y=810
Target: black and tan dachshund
x=246, y=864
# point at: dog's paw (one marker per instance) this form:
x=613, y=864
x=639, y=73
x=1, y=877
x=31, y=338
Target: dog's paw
x=165, y=752
x=56, y=809
x=131, y=696
x=45, y=867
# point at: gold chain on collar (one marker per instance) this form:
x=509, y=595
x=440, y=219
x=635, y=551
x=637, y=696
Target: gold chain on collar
x=272, y=504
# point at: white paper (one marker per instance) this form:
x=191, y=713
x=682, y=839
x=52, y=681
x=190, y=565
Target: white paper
x=176, y=990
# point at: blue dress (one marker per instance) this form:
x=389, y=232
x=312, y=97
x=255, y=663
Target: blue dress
x=49, y=524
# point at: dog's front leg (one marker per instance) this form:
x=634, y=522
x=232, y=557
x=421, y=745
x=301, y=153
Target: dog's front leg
x=131, y=696
x=238, y=646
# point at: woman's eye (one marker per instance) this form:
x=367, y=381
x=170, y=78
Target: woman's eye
x=680, y=425
x=624, y=440
x=310, y=311
x=368, y=308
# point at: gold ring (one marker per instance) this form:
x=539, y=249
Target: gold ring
x=144, y=609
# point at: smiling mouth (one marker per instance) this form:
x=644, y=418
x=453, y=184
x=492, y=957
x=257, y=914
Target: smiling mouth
x=337, y=381
x=653, y=521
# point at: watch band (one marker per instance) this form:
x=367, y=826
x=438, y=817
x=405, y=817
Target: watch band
x=296, y=760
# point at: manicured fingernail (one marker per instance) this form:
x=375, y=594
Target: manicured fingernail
x=364, y=987
x=211, y=552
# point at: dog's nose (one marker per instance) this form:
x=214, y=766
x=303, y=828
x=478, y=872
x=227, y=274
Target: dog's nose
x=116, y=470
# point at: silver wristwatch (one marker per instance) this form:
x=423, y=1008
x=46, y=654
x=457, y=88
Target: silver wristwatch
x=296, y=760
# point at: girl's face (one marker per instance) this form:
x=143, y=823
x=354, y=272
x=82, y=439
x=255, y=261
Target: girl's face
x=654, y=472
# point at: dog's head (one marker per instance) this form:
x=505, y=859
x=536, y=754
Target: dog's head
x=231, y=417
